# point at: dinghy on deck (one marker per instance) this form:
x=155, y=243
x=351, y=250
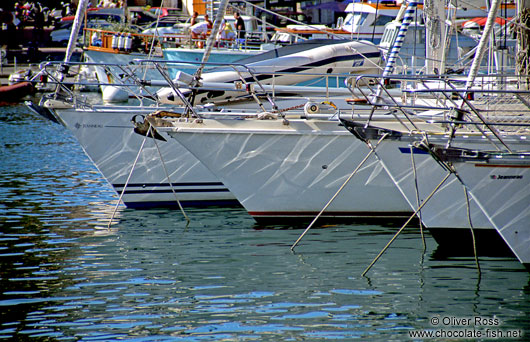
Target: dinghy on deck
x=358, y=57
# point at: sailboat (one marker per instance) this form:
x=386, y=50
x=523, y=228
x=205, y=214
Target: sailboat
x=464, y=175
x=145, y=171
x=498, y=181
x=453, y=218
x=288, y=165
x=285, y=168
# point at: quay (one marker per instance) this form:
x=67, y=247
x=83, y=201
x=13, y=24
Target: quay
x=24, y=48
x=24, y=58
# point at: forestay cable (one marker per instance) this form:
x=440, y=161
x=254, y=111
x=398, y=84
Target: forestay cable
x=128, y=177
x=169, y=181
x=372, y=150
x=405, y=224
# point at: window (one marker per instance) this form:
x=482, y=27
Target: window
x=382, y=20
x=360, y=18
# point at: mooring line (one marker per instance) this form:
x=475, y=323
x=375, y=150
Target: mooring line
x=128, y=178
x=372, y=150
x=169, y=181
x=417, y=196
x=452, y=170
x=471, y=228
x=404, y=225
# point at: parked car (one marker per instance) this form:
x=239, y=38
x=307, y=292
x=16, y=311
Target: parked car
x=61, y=36
x=108, y=14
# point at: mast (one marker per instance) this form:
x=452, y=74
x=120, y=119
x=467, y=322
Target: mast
x=406, y=15
x=208, y=49
x=523, y=42
x=483, y=43
x=481, y=49
x=75, y=29
x=436, y=33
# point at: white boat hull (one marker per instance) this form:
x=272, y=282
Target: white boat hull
x=280, y=171
x=108, y=139
x=501, y=187
x=447, y=207
x=448, y=214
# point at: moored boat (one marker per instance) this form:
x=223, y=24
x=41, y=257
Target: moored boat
x=135, y=165
x=488, y=115
x=499, y=183
x=14, y=92
x=455, y=220
x=282, y=168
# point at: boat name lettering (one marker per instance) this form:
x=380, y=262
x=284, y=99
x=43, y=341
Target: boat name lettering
x=506, y=176
x=78, y=125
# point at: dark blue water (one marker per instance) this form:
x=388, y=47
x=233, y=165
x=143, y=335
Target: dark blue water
x=65, y=276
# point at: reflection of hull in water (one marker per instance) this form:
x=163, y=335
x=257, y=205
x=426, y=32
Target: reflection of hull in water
x=107, y=137
x=345, y=58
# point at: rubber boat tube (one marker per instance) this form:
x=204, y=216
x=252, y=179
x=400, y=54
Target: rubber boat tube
x=357, y=57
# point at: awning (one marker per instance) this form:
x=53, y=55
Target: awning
x=481, y=21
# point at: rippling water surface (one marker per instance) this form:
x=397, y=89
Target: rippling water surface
x=65, y=276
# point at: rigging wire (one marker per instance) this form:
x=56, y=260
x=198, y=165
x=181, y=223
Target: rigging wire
x=405, y=224
x=128, y=178
x=372, y=150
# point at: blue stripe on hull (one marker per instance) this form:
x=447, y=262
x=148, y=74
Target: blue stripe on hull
x=406, y=150
x=174, y=204
x=161, y=188
x=167, y=184
x=131, y=192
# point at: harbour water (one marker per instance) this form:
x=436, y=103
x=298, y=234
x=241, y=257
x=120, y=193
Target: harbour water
x=64, y=276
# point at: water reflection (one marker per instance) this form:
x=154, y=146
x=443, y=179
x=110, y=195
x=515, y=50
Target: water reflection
x=65, y=276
